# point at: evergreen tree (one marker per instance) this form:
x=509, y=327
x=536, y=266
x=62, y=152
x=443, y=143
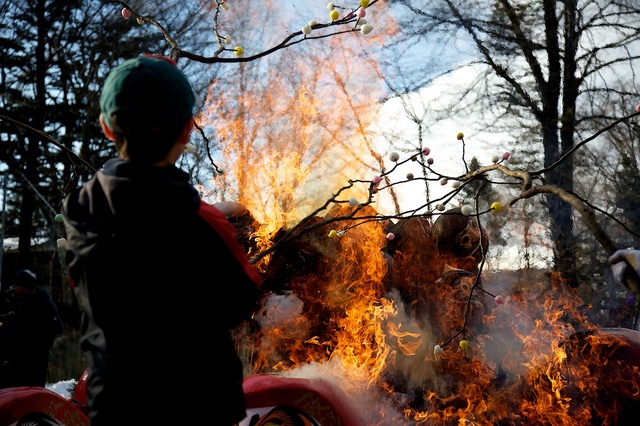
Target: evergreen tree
x=56, y=55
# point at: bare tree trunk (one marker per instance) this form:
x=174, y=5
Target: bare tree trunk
x=30, y=176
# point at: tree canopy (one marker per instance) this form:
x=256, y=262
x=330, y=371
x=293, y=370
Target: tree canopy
x=300, y=88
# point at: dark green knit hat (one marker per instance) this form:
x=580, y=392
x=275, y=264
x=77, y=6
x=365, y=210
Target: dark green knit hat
x=150, y=90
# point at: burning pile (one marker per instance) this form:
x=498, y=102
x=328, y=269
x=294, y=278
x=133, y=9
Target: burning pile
x=399, y=311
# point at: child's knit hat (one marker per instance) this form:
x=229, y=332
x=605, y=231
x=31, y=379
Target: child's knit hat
x=149, y=90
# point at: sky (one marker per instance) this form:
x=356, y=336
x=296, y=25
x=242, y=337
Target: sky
x=450, y=155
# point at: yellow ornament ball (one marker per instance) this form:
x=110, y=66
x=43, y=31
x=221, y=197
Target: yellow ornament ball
x=238, y=50
x=333, y=233
x=460, y=136
x=496, y=207
x=464, y=344
x=364, y=3
x=334, y=15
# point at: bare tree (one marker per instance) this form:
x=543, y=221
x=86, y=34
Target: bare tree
x=540, y=66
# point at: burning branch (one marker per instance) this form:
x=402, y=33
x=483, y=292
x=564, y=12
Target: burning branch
x=352, y=20
x=530, y=184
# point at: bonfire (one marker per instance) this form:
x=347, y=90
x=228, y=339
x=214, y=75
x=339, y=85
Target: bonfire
x=397, y=315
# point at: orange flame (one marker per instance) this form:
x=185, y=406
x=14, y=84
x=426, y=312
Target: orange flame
x=535, y=360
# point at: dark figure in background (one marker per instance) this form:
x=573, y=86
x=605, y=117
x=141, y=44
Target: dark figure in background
x=30, y=325
x=158, y=273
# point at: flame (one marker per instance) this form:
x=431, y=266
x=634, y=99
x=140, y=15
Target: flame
x=370, y=309
x=536, y=360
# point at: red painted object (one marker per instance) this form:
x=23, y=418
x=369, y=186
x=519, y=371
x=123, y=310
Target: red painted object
x=319, y=399
x=79, y=396
x=39, y=406
x=268, y=397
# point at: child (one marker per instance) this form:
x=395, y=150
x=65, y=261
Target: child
x=157, y=272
